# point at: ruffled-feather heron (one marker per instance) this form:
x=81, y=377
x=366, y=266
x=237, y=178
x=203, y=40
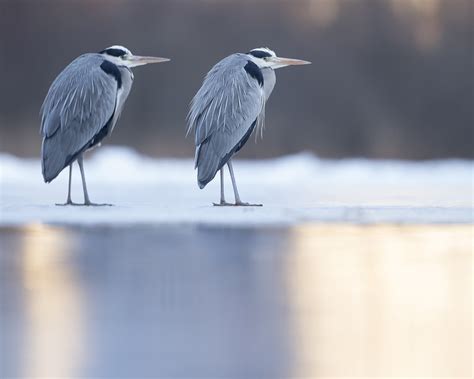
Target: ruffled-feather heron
x=82, y=107
x=228, y=107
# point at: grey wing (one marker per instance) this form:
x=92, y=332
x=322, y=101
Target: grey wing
x=223, y=114
x=79, y=104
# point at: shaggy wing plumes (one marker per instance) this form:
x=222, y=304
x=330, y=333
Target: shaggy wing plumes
x=223, y=114
x=79, y=103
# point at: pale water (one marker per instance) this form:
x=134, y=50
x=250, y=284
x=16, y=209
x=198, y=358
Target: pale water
x=206, y=302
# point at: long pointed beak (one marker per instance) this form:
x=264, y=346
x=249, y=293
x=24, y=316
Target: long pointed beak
x=283, y=62
x=136, y=60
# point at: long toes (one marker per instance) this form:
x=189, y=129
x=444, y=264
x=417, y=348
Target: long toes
x=66, y=204
x=89, y=204
x=222, y=204
x=242, y=204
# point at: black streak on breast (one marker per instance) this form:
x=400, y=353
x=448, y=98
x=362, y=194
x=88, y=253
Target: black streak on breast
x=253, y=70
x=112, y=70
x=98, y=137
x=237, y=147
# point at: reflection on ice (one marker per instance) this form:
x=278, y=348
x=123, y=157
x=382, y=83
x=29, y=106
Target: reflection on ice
x=51, y=303
x=381, y=301
x=309, y=301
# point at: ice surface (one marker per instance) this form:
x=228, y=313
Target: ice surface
x=294, y=189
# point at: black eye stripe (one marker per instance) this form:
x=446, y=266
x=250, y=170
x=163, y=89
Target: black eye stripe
x=114, y=52
x=260, y=54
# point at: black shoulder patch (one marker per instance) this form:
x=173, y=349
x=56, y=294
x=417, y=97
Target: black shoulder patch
x=260, y=53
x=112, y=70
x=253, y=70
x=113, y=52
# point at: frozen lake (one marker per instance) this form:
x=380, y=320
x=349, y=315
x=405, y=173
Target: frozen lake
x=294, y=190
x=351, y=268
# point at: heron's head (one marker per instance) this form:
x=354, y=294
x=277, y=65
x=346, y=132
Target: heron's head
x=121, y=56
x=263, y=57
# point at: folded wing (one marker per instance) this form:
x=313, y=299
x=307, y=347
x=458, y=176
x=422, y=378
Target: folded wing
x=76, y=112
x=224, y=113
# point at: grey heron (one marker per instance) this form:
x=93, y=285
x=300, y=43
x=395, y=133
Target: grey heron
x=228, y=107
x=82, y=107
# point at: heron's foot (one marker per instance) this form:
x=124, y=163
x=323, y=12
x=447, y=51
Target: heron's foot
x=243, y=204
x=236, y=204
x=69, y=202
x=91, y=204
x=223, y=204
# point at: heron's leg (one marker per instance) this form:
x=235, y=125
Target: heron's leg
x=222, y=186
x=69, y=200
x=84, y=186
x=69, y=185
x=238, y=202
x=234, y=184
x=222, y=202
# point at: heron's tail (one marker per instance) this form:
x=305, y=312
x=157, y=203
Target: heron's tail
x=207, y=163
x=52, y=160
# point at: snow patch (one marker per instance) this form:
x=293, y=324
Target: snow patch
x=293, y=189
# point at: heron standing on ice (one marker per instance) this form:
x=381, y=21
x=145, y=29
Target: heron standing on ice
x=82, y=107
x=227, y=109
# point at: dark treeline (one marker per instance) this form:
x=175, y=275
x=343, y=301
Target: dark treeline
x=390, y=78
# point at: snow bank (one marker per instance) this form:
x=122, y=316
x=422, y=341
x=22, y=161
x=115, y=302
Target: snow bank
x=293, y=189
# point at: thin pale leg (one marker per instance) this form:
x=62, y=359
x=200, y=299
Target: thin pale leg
x=69, y=201
x=222, y=202
x=84, y=186
x=238, y=202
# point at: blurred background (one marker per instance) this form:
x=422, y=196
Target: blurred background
x=390, y=78
x=353, y=268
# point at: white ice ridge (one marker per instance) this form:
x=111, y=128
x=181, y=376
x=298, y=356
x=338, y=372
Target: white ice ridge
x=294, y=189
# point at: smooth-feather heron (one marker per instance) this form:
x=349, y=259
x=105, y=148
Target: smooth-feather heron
x=82, y=107
x=228, y=107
